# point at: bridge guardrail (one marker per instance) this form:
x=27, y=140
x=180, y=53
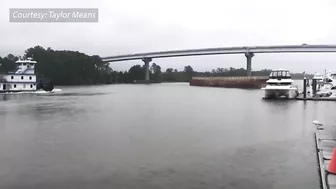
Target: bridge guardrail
x=232, y=78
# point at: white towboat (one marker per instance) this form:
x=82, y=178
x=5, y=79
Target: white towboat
x=280, y=85
x=23, y=79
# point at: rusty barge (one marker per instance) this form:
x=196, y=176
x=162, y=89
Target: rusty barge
x=252, y=82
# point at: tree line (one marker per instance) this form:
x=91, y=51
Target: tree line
x=75, y=68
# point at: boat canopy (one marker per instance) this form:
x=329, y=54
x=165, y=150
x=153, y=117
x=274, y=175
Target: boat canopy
x=280, y=74
x=318, y=76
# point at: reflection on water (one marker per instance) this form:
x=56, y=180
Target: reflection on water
x=6, y=97
x=157, y=136
x=77, y=94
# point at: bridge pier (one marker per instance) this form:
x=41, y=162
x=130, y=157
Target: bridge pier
x=146, y=61
x=248, y=56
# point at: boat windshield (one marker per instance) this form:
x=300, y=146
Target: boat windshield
x=279, y=83
x=280, y=74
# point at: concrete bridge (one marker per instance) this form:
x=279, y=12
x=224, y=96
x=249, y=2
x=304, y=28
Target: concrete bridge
x=247, y=51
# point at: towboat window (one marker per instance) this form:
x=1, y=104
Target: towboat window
x=21, y=77
x=31, y=64
x=31, y=86
x=24, y=64
x=30, y=77
x=12, y=77
x=14, y=86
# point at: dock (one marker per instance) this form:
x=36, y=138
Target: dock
x=317, y=98
x=310, y=93
x=311, y=98
x=325, y=140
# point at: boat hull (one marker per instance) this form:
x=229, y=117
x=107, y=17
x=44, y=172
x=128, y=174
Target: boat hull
x=16, y=91
x=273, y=93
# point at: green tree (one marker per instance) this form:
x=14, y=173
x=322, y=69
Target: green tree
x=169, y=70
x=157, y=74
x=69, y=67
x=7, y=64
x=152, y=68
x=189, y=71
x=135, y=73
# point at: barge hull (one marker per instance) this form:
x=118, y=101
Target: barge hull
x=230, y=82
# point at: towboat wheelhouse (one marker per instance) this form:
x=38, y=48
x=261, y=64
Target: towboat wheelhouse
x=23, y=79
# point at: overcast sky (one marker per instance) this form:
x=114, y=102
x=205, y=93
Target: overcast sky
x=136, y=26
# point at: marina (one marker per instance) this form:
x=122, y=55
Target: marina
x=322, y=88
x=279, y=85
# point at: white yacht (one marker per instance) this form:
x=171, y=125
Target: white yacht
x=330, y=77
x=23, y=79
x=280, y=85
x=319, y=78
x=328, y=87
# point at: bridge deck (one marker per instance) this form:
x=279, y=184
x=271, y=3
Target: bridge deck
x=224, y=50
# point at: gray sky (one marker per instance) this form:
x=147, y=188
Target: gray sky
x=135, y=26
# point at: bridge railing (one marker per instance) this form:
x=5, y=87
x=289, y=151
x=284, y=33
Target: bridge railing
x=232, y=78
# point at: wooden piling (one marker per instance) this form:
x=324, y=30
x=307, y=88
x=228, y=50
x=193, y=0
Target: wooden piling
x=304, y=87
x=314, y=87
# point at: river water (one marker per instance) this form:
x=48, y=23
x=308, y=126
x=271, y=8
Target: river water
x=157, y=136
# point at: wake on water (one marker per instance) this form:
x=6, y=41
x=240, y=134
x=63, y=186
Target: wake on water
x=36, y=92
